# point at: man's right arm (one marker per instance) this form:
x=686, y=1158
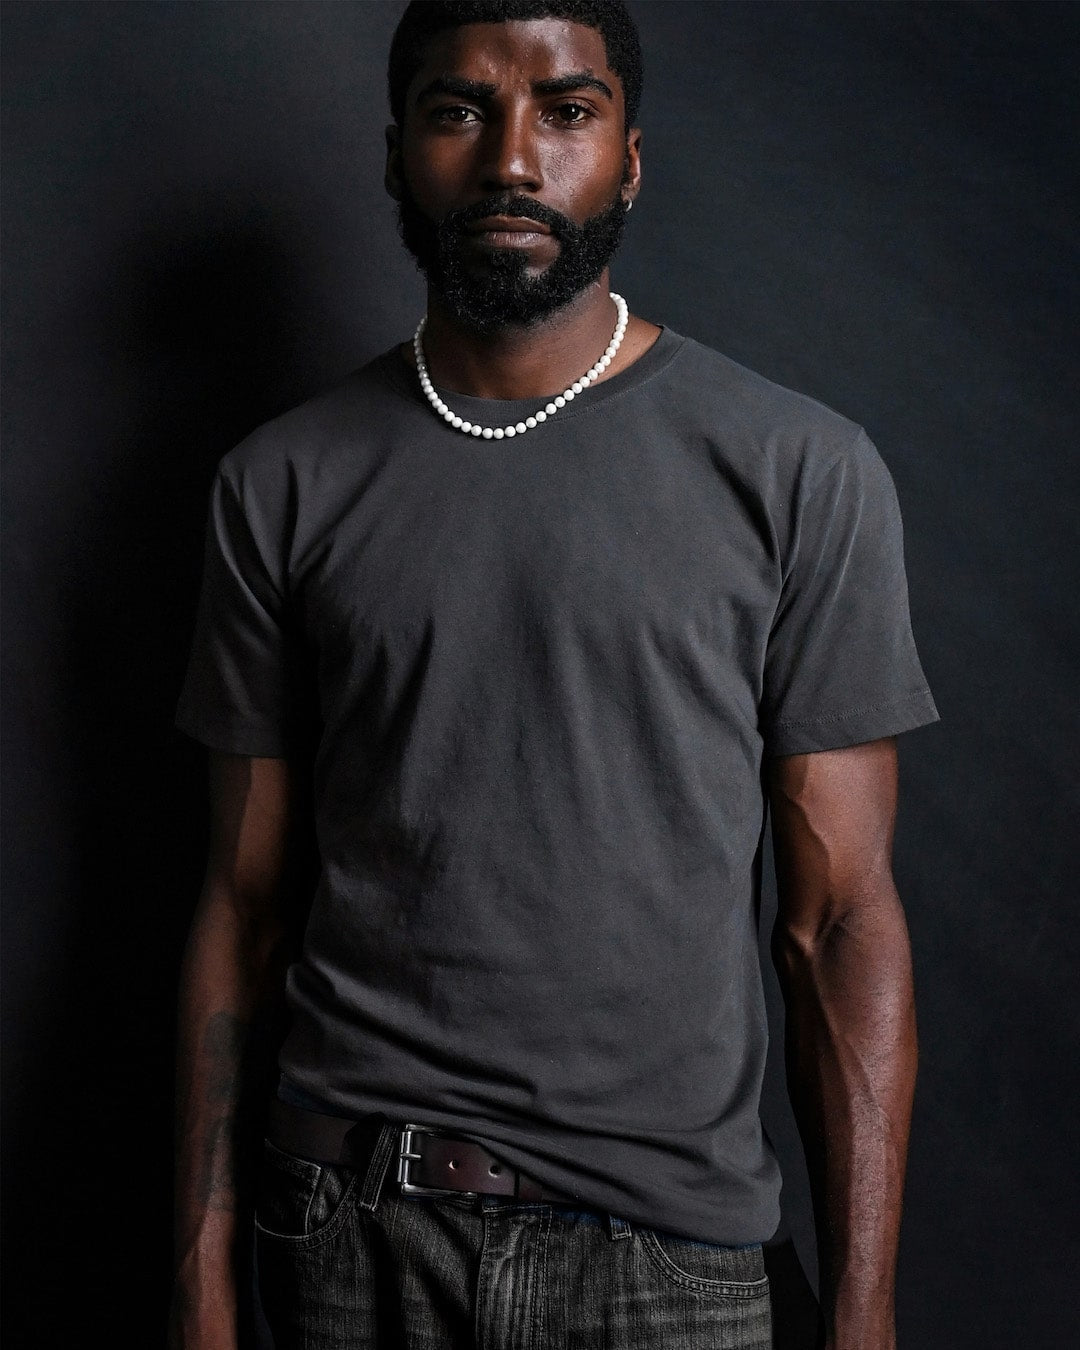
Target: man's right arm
x=230, y=993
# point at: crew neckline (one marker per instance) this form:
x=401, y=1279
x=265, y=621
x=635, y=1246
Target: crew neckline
x=500, y=411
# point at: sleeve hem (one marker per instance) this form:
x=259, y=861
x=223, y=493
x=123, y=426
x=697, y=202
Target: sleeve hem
x=833, y=731
x=236, y=738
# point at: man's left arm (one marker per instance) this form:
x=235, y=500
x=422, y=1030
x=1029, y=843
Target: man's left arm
x=841, y=950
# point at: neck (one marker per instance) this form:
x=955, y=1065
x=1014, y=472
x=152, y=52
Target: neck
x=515, y=363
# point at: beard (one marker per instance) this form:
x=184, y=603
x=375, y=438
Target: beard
x=497, y=291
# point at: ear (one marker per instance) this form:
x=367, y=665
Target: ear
x=632, y=179
x=392, y=176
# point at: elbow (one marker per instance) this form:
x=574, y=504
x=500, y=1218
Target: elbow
x=861, y=924
x=233, y=918
x=796, y=948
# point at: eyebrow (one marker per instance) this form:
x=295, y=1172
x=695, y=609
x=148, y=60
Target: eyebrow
x=456, y=86
x=566, y=84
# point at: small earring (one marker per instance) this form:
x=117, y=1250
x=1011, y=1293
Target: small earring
x=629, y=206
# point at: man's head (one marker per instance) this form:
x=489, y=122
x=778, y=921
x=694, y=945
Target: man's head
x=509, y=113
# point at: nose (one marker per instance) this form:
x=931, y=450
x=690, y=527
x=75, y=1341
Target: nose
x=511, y=159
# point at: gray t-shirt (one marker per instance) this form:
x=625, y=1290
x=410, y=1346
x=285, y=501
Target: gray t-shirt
x=542, y=676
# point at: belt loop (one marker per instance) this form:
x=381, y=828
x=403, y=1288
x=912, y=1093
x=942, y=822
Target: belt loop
x=389, y=1135
x=620, y=1228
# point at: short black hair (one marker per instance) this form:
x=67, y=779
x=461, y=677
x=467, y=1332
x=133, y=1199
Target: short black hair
x=423, y=19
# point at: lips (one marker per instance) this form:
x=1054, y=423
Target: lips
x=506, y=225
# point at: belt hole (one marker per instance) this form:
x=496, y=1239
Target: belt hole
x=453, y=1162
x=494, y=1169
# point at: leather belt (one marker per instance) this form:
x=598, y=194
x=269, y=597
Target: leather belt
x=429, y=1161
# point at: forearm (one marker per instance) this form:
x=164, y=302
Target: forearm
x=851, y=1053
x=230, y=985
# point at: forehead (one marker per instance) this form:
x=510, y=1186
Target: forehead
x=519, y=51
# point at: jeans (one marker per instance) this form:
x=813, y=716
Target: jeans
x=346, y=1263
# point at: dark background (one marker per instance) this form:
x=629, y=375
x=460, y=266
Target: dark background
x=873, y=203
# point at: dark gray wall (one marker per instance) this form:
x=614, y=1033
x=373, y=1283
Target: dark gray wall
x=874, y=203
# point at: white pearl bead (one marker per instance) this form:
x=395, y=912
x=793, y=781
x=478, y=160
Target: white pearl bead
x=498, y=433
x=449, y=416
x=456, y=422
x=560, y=402
x=509, y=431
x=477, y=431
x=530, y=422
x=541, y=416
x=568, y=397
x=577, y=386
x=551, y=408
x=521, y=426
x=465, y=426
x=487, y=433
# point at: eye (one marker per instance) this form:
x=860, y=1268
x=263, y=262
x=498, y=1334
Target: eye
x=573, y=114
x=455, y=114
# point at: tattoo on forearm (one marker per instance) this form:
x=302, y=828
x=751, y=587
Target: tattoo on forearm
x=223, y=1053
x=218, y=1177
x=223, y=1049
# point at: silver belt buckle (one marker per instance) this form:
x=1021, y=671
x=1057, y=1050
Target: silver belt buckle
x=406, y=1155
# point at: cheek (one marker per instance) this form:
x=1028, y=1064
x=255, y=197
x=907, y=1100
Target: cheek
x=580, y=180
x=435, y=172
x=591, y=167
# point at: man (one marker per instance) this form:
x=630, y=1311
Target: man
x=559, y=602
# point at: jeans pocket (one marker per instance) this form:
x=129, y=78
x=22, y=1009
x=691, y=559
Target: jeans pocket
x=704, y=1267
x=299, y=1200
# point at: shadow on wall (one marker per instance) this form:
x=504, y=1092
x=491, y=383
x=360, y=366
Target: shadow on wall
x=197, y=328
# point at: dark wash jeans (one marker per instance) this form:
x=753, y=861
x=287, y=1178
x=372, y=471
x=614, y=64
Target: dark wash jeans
x=347, y=1263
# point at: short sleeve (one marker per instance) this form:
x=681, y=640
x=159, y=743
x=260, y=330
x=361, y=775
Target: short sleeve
x=841, y=665
x=236, y=694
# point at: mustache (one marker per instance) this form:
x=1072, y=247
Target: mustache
x=502, y=205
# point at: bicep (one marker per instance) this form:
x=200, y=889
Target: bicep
x=251, y=811
x=833, y=816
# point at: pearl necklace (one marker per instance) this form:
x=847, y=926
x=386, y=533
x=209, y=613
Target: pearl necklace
x=542, y=414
